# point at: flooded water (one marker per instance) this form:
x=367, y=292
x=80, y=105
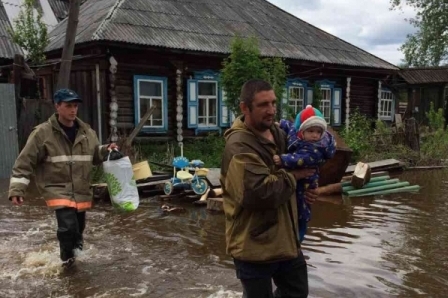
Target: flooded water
x=361, y=247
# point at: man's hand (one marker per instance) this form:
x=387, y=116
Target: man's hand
x=303, y=173
x=311, y=195
x=17, y=201
x=112, y=146
x=277, y=160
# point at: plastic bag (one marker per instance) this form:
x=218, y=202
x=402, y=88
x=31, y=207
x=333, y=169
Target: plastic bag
x=120, y=183
x=113, y=155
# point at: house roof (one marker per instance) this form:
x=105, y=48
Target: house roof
x=425, y=75
x=60, y=8
x=7, y=47
x=209, y=26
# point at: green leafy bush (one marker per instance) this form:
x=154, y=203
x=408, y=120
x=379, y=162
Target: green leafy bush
x=358, y=135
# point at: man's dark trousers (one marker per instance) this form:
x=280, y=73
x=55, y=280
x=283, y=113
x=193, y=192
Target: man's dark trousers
x=71, y=224
x=290, y=277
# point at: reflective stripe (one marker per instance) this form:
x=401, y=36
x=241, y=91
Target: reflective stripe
x=65, y=158
x=20, y=180
x=68, y=203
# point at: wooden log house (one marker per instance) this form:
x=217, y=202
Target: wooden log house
x=131, y=54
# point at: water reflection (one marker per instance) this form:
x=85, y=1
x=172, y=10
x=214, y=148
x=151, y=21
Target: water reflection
x=358, y=247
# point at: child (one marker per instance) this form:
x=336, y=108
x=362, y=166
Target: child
x=309, y=146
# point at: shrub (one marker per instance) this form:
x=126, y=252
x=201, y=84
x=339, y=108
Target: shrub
x=358, y=135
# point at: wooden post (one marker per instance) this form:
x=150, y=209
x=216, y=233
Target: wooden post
x=125, y=144
x=411, y=134
x=69, y=45
x=330, y=189
x=19, y=61
x=139, y=126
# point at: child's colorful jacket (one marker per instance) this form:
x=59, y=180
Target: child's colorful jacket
x=303, y=154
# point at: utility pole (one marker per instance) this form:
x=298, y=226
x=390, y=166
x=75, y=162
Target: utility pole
x=69, y=44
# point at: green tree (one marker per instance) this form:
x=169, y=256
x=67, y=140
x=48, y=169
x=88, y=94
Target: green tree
x=245, y=63
x=429, y=45
x=317, y=96
x=30, y=32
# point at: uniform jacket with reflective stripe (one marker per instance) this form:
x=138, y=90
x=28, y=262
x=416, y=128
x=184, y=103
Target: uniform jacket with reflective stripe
x=61, y=169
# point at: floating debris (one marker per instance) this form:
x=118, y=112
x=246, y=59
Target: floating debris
x=167, y=208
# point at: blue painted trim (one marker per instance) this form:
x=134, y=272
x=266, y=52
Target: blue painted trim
x=296, y=82
x=326, y=83
x=206, y=75
x=192, y=103
x=222, y=105
x=137, y=114
x=334, y=106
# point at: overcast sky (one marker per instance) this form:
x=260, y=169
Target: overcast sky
x=367, y=24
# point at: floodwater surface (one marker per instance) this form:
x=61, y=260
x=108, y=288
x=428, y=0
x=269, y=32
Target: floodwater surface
x=388, y=246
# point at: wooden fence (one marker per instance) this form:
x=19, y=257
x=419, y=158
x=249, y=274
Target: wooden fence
x=32, y=113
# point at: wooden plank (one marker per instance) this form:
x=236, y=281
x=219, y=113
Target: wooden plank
x=140, y=125
x=375, y=174
x=398, y=121
x=376, y=164
x=153, y=183
x=215, y=204
x=213, y=177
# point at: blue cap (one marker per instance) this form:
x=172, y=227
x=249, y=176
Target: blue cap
x=65, y=95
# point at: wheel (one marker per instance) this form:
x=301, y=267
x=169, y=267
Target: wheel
x=168, y=188
x=199, y=186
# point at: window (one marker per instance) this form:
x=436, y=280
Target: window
x=331, y=101
x=151, y=92
x=386, y=105
x=296, y=98
x=208, y=104
x=325, y=103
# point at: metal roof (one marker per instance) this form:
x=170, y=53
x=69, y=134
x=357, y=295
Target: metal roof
x=60, y=8
x=7, y=47
x=209, y=26
x=425, y=75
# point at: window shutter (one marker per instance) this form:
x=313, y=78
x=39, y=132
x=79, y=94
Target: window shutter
x=392, y=116
x=192, y=103
x=224, y=117
x=285, y=101
x=337, y=104
x=309, y=96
